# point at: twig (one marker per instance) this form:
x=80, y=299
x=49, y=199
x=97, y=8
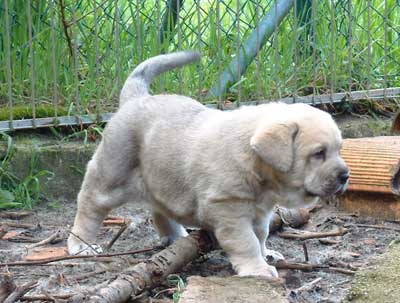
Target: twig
x=374, y=226
x=50, y=239
x=19, y=225
x=20, y=291
x=50, y=260
x=307, y=286
x=342, y=270
x=310, y=267
x=328, y=241
x=312, y=235
x=299, y=266
x=119, y=233
x=65, y=27
x=15, y=214
x=33, y=298
x=305, y=250
x=88, y=275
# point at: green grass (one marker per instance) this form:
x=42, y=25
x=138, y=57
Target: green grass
x=90, y=83
x=17, y=192
x=179, y=284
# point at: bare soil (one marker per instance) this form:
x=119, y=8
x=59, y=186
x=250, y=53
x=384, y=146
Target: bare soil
x=354, y=250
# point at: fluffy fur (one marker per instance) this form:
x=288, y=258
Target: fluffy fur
x=219, y=170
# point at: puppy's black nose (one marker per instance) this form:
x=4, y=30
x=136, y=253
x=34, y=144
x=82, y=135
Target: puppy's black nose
x=344, y=176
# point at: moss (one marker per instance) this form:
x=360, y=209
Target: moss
x=21, y=111
x=380, y=282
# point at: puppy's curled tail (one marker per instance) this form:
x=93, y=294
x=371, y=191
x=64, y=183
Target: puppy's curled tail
x=139, y=80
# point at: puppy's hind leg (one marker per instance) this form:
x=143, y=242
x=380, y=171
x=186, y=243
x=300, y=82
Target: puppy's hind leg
x=168, y=229
x=109, y=182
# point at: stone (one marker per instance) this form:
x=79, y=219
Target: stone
x=231, y=290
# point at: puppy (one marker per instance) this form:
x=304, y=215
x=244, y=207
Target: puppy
x=222, y=171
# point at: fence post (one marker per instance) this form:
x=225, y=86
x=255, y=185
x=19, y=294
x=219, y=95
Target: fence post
x=251, y=46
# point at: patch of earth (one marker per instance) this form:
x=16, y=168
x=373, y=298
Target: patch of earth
x=354, y=250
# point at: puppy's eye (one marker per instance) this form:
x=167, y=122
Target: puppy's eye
x=319, y=155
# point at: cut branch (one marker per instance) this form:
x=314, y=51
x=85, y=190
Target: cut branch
x=146, y=275
x=304, y=235
x=19, y=292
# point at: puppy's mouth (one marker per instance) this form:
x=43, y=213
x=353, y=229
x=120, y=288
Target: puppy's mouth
x=311, y=194
x=338, y=190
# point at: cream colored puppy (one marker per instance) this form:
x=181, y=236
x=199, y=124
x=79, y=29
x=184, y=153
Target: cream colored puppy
x=219, y=170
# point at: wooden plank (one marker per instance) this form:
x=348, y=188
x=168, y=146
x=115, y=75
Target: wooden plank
x=51, y=121
x=370, y=204
x=374, y=164
x=318, y=99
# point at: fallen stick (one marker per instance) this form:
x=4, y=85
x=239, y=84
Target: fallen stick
x=50, y=239
x=80, y=277
x=19, y=292
x=148, y=274
x=50, y=260
x=307, y=286
x=49, y=298
x=311, y=267
x=373, y=226
x=304, y=235
x=7, y=286
x=118, y=234
x=15, y=214
x=342, y=270
x=19, y=225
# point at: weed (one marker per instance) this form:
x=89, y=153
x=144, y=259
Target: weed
x=177, y=281
x=16, y=192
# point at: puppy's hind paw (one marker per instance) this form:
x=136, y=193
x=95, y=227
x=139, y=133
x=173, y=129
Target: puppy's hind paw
x=84, y=249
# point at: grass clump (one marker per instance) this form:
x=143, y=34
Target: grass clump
x=24, y=111
x=17, y=192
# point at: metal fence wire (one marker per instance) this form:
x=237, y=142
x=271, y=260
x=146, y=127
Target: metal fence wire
x=64, y=62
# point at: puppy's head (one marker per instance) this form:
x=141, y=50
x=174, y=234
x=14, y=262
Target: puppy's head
x=303, y=150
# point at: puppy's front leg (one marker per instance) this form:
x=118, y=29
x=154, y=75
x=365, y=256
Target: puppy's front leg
x=261, y=229
x=238, y=240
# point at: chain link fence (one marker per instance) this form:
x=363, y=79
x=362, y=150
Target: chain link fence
x=64, y=62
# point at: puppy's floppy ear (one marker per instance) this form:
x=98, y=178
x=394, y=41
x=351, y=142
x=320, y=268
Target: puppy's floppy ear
x=275, y=144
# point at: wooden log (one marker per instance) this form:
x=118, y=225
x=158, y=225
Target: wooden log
x=374, y=164
x=147, y=274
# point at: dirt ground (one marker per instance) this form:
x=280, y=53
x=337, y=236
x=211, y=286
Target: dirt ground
x=354, y=250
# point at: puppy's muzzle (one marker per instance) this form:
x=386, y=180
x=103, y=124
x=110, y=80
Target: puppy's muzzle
x=342, y=181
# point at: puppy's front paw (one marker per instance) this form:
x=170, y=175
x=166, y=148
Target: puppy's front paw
x=77, y=247
x=265, y=270
x=273, y=256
